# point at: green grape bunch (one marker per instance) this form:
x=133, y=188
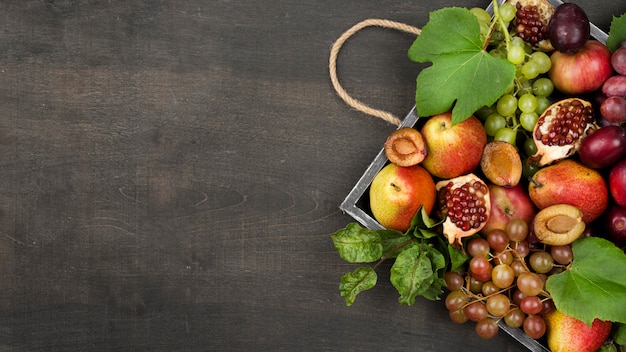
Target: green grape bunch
x=514, y=115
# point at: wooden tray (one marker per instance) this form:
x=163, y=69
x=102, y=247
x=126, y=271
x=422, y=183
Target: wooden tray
x=356, y=203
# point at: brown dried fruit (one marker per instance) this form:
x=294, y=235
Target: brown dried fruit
x=561, y=129
x=405, y=147
x=464, y=202
x=501, y=164
x=559, y=224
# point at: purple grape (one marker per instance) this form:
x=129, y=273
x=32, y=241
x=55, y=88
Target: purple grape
x=568, y=28
x=613, y=110
x=618, y=60
x=615, y=86
x=604, y=147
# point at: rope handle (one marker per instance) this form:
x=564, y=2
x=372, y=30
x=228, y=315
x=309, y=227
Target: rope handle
x=332, y=65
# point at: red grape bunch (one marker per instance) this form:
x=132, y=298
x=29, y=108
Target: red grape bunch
x=505, y=281
x=613, y=107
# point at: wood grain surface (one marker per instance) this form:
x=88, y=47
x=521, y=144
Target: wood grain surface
x=171, y=171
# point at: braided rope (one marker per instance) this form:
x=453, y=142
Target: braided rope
x=332, y=66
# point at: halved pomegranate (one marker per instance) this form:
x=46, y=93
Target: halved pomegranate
x=464, y=202
x=531, y=22
x=560, y=130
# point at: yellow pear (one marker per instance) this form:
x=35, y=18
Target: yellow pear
x=397, y=192
x=568, y=334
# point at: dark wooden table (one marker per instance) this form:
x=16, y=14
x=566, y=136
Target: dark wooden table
x=171, y=172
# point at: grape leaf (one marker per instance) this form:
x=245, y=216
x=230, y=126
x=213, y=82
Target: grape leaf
x=617, y=32
x=595, y=285
x=462, y=74
x=351, y=284
x=357, y=244
x=416, y=273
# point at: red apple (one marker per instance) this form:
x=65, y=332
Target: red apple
x=582, y=72
x=617, y=183
x=507, y=204
x=453, y=150
x=397, y=192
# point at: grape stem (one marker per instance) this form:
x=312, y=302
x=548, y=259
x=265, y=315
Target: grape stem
x=492, y=27
x=480, y=297
x=503, y=27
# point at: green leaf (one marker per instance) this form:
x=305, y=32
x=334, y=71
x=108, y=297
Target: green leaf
x=411, y=273
x=595, y=285
x=619, y=334
x=609, y=347
x=422, y=226
x=438, y=263
x=415, y=273
x=351, y=284
x=392, y=241
x=457, y=258
x=357, y=244
x=462, y=74
x=617, y=32
x=422, y=220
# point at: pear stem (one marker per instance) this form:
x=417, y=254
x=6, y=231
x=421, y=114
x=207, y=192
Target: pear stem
x=536, y=183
